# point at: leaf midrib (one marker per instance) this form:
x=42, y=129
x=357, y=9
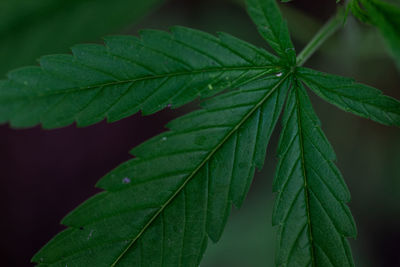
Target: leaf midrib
x=201, y=165
x=301, y=141
x=145, y=78
x=275, y=35
x=344, y=106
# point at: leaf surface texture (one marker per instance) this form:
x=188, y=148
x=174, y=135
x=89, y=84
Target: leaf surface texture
x=160, y=208
x=360, y=99
x=267, y=17
x=310, y=205
x=128, y=74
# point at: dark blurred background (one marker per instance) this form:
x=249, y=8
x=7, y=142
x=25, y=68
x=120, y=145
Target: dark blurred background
x=45, y=174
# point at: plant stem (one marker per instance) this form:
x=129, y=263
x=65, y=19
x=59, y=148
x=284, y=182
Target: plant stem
x=329, y=28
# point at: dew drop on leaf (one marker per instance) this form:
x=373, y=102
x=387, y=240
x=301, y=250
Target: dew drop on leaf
x=126, y=180
x=279, y=74
x=90, y=234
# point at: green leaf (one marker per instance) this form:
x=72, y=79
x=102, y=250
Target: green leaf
x=357, y=11
x=384, y=16
x=161, y=207
x=310, y=205
x=127, y=75
x=266, y=15
x=357, y=98
x=29, y=29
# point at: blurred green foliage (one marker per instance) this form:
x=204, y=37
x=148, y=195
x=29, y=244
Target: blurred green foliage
x=384, y=16
x=248, y=238
x=29, y=29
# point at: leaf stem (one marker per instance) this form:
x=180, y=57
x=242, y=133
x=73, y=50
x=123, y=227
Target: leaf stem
x=329, y=28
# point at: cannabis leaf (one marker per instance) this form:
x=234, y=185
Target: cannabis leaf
x=161, y=207
x=358, y=98
x=127, y=75
x=310, y=206
x=271, y=26
x=384, y=16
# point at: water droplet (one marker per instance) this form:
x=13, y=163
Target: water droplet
x=210, y=87
x=126, y=180
x=164, y=138
x=169, y=105
x=90, y=234
x=279, y=74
